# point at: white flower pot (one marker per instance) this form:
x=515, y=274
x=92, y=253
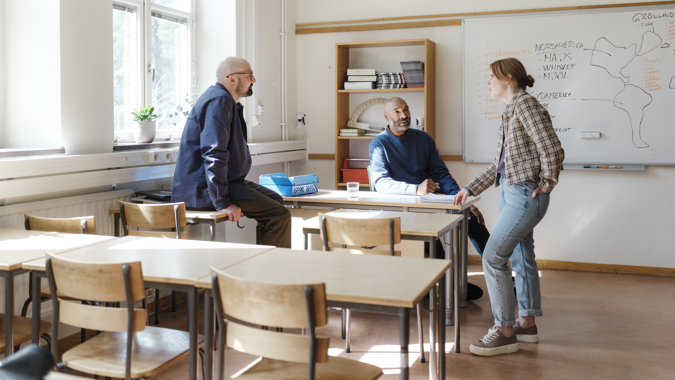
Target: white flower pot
x=144, y=131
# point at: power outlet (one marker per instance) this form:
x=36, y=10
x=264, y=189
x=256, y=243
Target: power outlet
x=159, y=156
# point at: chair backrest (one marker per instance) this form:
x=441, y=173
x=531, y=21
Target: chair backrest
x=154, y=216
x=286, y=306
x=370, y=179
x=349, y=230
x=77, y=225
x=115, y=282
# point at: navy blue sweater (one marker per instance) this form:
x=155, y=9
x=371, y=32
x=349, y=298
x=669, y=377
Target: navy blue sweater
x=400, y=164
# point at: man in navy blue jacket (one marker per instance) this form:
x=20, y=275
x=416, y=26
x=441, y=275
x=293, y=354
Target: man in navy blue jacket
x=406, y=161
x=214, y=158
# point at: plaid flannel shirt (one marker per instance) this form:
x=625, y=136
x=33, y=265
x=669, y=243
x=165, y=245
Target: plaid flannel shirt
x=531, y=147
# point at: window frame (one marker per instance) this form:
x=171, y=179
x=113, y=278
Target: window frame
x=144, y=9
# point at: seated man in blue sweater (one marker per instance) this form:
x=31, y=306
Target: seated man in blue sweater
x=406, y=161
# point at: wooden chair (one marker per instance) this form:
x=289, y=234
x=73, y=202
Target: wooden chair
x=362, y=235
x=155, y=216
x=77, y=225
x=126, y=348
x=285, y=355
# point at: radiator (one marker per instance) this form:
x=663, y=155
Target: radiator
x=83, y=205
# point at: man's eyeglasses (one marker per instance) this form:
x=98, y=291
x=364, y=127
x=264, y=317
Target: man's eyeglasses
x=250, y=75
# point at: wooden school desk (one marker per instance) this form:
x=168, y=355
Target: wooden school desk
x=394, y=202
x=193, y=217
x=167, y=264
x=18, y=246
x=414, y=226
x=362, y=282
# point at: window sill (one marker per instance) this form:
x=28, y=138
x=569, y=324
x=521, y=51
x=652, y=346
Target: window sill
x=11, y=152
x=126, y=146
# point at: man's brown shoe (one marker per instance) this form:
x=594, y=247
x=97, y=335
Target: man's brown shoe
x=494, y=343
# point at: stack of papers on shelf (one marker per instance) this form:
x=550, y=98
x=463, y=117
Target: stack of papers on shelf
x=437, y=198
x=352, y=132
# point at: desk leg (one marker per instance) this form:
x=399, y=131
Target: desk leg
x=192, y=295
x=434, y=315
x=212, y=228
x=405, y=336
x=116, y=224
x=9, y=312
x=208, y=335
x=305, y=241
x=441, y=333
x=448, y=300
x=463, y=287
x=35, y=320
x=456, y=253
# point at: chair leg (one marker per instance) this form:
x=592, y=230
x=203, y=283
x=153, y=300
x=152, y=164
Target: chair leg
x=156, y=306
x=24, y=309
x=347, y=322
x=202, y=357
x=342, y=321
x=174, y=299
x=419, y=332
x=48, y=339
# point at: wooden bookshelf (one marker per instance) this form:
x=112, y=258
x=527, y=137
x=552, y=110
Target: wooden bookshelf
x=342, y=96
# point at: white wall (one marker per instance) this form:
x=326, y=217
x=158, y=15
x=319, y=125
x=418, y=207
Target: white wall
x=86, y=43
x=31, y=74
x=215, y=36
x=597, y=217
x=57, y=73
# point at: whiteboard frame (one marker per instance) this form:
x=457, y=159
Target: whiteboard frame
x=526, y=15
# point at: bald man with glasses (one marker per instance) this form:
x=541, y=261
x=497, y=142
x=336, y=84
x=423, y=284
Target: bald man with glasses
x=214, y=158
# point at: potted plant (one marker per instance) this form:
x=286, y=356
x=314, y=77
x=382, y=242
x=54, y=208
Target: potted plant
x=145, y=125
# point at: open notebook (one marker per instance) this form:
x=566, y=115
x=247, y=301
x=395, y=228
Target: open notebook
x=437, y=198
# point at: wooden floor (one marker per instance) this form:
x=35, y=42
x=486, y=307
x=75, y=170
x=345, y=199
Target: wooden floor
x=595, y=326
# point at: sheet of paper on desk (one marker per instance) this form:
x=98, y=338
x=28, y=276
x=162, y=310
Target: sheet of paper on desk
x=437, y=198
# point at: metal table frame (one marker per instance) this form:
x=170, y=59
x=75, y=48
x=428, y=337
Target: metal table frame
x=450, y=297
x=193, y=314
x=436, y=330
x=9, y=308
x=462, y=240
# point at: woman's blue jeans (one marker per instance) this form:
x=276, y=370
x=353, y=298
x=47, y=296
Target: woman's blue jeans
x=512, y=239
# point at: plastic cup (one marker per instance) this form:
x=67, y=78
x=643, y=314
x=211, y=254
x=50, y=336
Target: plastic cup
x=352, y=190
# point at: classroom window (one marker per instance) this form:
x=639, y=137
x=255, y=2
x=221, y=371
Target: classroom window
x=153, y=62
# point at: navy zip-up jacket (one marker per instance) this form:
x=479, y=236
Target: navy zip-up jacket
x=214, y=158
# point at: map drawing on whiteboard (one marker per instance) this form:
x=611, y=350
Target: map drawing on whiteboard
x=607, y=72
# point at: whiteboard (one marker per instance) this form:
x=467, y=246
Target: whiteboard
x=613, y=73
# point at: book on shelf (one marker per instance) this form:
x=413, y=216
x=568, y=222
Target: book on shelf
x=352, y=132
x=373, y=134
x=365, y=126
x=414, y=73
x=361, y=78
x=390, y=80
x=359, y=85
x=360, y=71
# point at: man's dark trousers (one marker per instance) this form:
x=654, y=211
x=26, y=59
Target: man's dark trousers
x=266, y=207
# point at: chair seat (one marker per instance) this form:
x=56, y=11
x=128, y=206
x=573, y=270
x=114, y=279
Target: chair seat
x=154, y=349
x=336, y=368
x=45, y=292
x=22, y=330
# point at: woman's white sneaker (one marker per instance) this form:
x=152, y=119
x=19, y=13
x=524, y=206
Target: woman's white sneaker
x=529, y=335
x=495, y=343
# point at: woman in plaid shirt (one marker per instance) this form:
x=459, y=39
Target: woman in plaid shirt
x=528, y=161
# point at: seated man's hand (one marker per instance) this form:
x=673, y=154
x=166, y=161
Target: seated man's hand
x=427, y=187
x=233, y=212
x=460, y=197
x=479, y=216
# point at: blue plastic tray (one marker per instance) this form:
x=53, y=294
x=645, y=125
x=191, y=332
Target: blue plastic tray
x=288, y=187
